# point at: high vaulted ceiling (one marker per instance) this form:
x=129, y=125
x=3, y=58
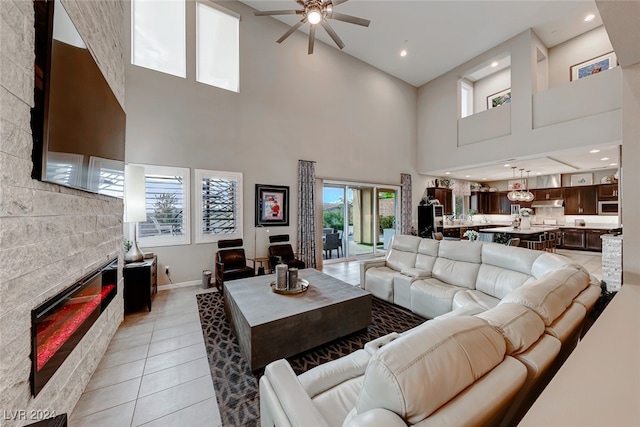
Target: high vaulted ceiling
x=441, y=35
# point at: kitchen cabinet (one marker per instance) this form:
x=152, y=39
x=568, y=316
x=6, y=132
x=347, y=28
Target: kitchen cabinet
x=573, y=238
x=608, y=192
x=592, y=239
x=480, y=202
x=548, y=193
x=444, y=196
x=452, y=232
x=498, y=203
x=580, y=200
x=582, y=239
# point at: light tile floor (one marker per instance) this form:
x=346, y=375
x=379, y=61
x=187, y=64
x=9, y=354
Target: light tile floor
x=155, y=371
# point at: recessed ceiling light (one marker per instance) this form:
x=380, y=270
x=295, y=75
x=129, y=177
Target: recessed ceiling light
x=447, y=173
x=403, y=52
x=613, y=164
x=467, y=176
x=589, y=17
x=539, y=173
x=507, y=165
x=604, y=158
x=494, y=64
x=594, y=151
x=484, y=179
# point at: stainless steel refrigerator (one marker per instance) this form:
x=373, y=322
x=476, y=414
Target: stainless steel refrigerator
x=430, y=219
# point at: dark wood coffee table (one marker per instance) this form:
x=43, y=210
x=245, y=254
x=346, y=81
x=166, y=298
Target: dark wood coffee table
x=271, y=326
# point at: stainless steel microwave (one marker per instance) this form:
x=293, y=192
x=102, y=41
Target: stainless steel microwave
x=608, y=208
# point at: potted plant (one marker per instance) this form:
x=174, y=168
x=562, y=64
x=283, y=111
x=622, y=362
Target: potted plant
x=472, y=235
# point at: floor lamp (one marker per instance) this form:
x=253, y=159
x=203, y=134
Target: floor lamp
x=134, y=207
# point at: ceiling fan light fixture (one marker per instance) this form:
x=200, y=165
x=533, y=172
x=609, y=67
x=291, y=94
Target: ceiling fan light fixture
x=314, y=16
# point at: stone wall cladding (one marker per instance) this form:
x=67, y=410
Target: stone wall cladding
x=612, y=262
x=50, y=236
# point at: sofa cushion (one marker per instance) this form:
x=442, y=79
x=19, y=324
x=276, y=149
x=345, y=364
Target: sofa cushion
x=427, y=253
x=550, y=295
x=417, y=373
x=403, y=251
x=520, y=326
x=431, y=298
x=510, y=257
x=469, y=297
x=498, y=281
x=379, y=281
x=458, y=263
x=548, y=262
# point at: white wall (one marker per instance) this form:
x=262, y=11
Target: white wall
x=356, y=122
x=490, y=85
x=579, y=49
x=446, y=142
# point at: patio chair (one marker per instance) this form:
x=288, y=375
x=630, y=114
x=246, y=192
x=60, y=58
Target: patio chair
x=331, y=242
x=283, y=252
x=231, y=263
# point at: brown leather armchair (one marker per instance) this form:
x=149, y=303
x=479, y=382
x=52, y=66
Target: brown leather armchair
x=231, y=263
x=283, y=252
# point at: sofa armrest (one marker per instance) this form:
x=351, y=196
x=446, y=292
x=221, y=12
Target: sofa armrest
x=372, y=346
x=292, y=399
x=330, y=374
x=367, y=264
x=416, y=273
x=377, y=417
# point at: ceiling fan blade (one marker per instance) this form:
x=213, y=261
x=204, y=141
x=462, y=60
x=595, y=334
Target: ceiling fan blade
x=276, y=12
x=312, y=38
x=332, y=33
x=350, y=19
x=291, y=30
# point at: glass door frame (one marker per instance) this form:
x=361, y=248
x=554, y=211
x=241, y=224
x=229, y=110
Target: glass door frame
x=376, y=188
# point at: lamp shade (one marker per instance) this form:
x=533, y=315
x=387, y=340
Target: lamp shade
x=134, y=194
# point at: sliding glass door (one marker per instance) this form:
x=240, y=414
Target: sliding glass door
x=362, y=215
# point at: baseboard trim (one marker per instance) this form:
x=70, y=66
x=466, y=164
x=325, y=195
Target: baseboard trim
x=179, y=285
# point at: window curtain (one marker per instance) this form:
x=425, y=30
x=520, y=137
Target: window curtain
x=306, y=212
x=405, y=209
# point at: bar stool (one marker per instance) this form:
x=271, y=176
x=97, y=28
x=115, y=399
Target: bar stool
x=538, y=245
x=551, y=239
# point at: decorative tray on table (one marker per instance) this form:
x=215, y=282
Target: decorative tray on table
x=303, y=285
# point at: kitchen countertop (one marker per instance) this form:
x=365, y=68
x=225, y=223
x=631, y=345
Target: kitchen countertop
x=511, y=230
x=508, y=223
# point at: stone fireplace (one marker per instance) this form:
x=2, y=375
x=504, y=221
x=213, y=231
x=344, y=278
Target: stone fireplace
x=50, y=237
x=59, y=324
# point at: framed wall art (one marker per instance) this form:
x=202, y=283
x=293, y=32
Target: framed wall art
x=272, y=205
x=593, y=66
x=499, y=98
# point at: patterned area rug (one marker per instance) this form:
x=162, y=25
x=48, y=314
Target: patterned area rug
x=237, y=387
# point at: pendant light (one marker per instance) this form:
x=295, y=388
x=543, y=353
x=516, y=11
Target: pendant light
x=513, y=195
x=528, y=196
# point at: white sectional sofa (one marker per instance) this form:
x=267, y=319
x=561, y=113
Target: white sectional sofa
x=504, y=319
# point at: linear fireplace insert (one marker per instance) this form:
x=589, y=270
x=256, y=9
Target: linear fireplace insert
x=58, y=324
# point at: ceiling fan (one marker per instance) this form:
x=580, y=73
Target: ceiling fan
x=316, y=12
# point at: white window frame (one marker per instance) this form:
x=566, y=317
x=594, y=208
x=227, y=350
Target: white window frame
x=236, y=40
x=180, y=71
x=171, y=240
x=468, y=87
x=201, y=174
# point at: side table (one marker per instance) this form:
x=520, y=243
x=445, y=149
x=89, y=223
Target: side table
x=261, y=264
x=140, y=283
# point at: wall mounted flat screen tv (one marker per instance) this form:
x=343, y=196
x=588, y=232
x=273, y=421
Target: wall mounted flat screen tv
x=77, y=122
